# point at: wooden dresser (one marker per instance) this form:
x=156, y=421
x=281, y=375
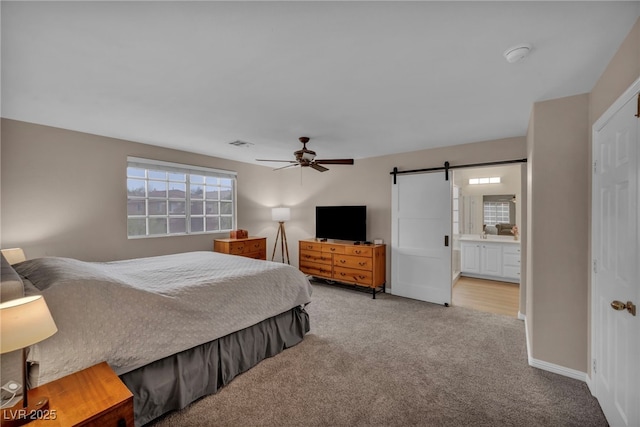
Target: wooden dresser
x=342, y=261
x=92, y=397
x=251, y=247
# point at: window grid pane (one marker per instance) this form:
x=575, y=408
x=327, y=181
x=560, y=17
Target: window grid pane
x=172, y=202
x=496, y=213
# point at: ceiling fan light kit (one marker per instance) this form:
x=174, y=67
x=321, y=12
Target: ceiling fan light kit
x=517, y=53
x=306, y=157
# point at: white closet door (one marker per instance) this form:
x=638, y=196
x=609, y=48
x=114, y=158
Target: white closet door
x=421, y=222
x=616, y=260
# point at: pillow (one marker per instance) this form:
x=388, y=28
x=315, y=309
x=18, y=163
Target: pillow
x=10, y=282
x=490, y=229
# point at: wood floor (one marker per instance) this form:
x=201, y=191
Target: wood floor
x=487, y=295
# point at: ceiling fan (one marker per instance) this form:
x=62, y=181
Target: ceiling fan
x=306, y=157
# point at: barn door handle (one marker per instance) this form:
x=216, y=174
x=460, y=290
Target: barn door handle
x=619, y=305
x=446, y=240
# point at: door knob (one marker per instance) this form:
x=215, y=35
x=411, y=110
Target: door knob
x=619, y=305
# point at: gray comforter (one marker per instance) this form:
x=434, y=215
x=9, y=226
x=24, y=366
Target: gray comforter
x=133, y=312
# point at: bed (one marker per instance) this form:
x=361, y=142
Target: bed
x=174, y=328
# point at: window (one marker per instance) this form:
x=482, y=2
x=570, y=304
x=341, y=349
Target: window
x=496, y=213
x=171, y=199
x=491, y=180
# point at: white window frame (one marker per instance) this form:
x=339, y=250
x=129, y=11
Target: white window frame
x=188, y=170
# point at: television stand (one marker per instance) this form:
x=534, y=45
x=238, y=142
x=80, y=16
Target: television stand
x=345, y=262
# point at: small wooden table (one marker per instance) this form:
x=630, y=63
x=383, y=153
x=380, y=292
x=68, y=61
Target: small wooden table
x=92, y=397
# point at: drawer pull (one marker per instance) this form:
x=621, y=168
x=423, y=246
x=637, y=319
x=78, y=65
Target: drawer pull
x=342, y=261
x=362, y=264
x=358, y=252
x=333, y=249
x=309, y=247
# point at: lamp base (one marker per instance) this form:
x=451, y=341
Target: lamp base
x=19, y=415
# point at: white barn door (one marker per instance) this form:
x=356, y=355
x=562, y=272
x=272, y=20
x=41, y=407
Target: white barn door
x=421, y=237
x=615, y=278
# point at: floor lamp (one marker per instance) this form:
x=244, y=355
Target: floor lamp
x=281, y=215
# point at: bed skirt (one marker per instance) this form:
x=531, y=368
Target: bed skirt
x=178, y=380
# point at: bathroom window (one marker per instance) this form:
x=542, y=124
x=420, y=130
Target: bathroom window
x=496, y=213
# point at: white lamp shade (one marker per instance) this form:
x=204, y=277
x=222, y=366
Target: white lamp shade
x=280, y=214
x=24, y=322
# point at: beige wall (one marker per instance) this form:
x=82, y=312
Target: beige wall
x=64, y=194
x=559, y=172
x=368, y=183
x=621, y=72
x=558, y=268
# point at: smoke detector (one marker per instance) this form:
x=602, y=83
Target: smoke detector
x=518, y=52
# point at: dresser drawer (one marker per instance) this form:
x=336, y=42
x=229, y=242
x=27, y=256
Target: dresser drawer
x=349, y=261
x=360, y=277
x=251, y=247
x=314, y=256
x=247, y=246
x=315, y=269
x=310, y=246
x=238, y=248
x=359, y=250
x=256, y=255
x=333, y=249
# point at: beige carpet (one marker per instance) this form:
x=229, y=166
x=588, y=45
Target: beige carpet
x=396, y=362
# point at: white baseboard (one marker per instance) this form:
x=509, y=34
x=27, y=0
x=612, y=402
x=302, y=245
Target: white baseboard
x=557, y=369
x=551, y=367
x=521, y=316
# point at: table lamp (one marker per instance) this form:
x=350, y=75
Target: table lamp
x=281, y=215
x=24, y=322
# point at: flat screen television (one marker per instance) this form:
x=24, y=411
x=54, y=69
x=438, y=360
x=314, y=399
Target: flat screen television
x=341, y=222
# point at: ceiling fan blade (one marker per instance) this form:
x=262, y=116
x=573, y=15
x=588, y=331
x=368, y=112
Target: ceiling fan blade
x=267, y=160
x=335, y=161
x=284, y=167
x=318, y=167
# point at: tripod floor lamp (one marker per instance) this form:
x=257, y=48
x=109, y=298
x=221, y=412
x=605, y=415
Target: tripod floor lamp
x=281, y=215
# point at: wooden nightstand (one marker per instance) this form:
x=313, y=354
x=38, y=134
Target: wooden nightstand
x=92, y=397
x=251, y=247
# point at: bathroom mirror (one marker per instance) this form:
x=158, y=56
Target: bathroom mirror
x=486, y=196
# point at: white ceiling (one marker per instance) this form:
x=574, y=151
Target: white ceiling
x=361, y=79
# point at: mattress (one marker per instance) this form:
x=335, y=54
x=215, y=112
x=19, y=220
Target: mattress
x=133, y=312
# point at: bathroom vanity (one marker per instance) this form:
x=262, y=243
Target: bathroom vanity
x=492, y=258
